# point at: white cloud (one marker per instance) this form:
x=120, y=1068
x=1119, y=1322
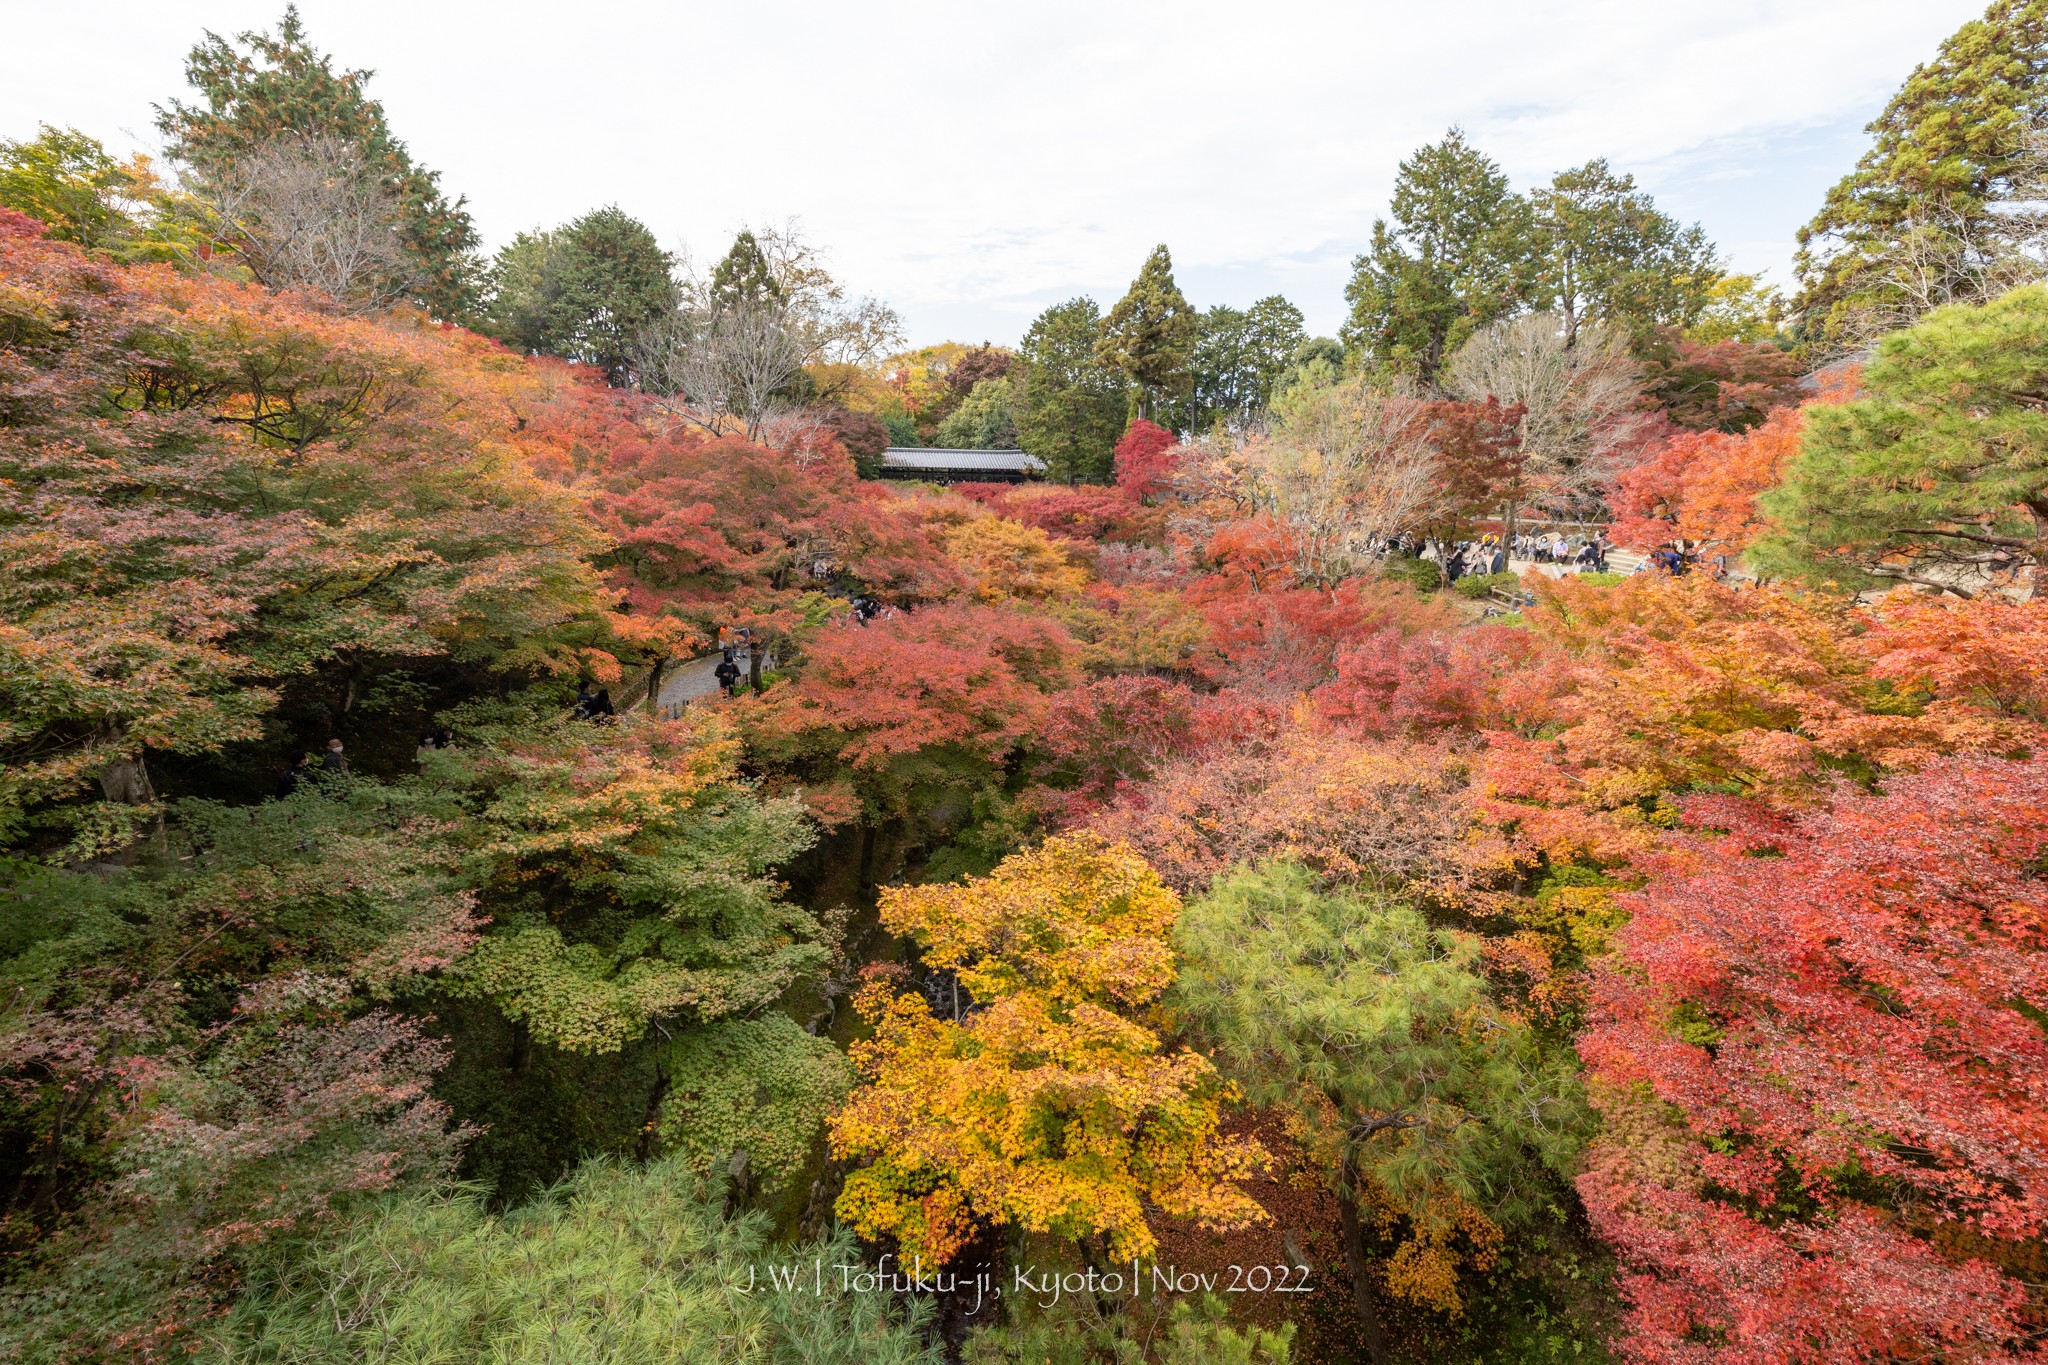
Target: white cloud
x=973, y=163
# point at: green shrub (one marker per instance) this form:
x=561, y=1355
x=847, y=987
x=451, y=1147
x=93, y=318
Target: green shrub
x=1189, y=1334
x=1478, y=585
x=1419, y=574
x=902, y=431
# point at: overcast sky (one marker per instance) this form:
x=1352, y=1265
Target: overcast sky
x=973, y=163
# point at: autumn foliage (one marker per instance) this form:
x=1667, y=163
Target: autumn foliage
x=207, y=490
x=1145, y=460
x=962, y=676
x=1185, y=807
x=1046, y=1106
x=1703, y=486
x=1822, y=1072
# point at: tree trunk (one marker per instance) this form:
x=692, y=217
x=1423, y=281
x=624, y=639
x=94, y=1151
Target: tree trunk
x=754, y=652
x=654, y=685
x=126, y=780
x=522, y=1049
x=1361, y=1270
x=644, y=1149
x=867, y=855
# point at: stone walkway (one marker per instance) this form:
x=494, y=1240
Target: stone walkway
x=693, y=679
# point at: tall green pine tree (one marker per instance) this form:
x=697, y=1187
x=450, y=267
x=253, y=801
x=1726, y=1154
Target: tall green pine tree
x=1240, y=356
x=1938, y=473
x=588, y=291
x=1378, y=1032
x=1603, y=252
x=744, y=276
x=1952, y=144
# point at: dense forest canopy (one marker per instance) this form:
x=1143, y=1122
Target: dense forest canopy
x=1515, y=833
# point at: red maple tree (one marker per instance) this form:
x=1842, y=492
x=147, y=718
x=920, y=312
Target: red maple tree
x=1821, y=1056
x=1144, y=459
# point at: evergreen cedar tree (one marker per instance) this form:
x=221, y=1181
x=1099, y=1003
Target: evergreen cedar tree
x=588, y=291
x=1150, y=337
x=1239, y=359
x=1072, y=408
x=1463, y=250
x=1453, y=259
x=1949, y=147
x=267, y=85
x=1603, y=253
x=743, y=276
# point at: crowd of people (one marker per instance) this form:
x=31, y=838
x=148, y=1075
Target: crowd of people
x=1494, y=554
x=1587, y=553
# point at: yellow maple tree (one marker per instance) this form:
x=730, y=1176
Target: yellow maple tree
x=1006, y=560
x=1043, y=1104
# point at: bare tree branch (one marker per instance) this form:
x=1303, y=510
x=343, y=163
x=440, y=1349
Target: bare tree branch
x=721, y=364
x=1583, y=413
x=1346, y=468
x=310, y=215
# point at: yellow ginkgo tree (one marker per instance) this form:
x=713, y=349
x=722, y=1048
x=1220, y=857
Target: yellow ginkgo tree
x=1041, y=1104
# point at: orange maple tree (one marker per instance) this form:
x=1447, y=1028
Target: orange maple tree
x=1703, y=485
x=209, y=492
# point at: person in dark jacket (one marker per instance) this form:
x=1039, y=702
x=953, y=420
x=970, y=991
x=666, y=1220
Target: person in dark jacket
x=334, y=763
x=296, y=776
x=727, y=673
